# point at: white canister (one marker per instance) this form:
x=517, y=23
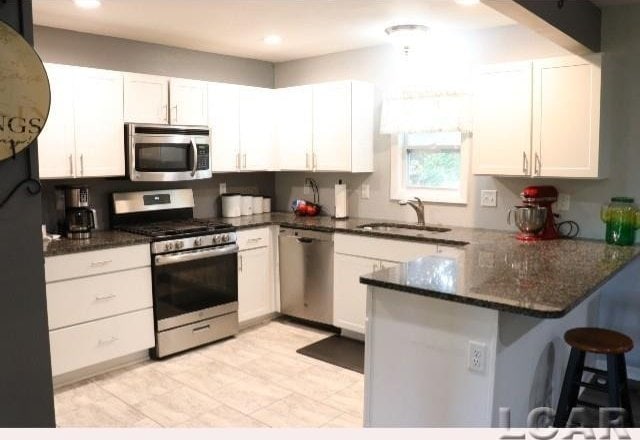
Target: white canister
x=257, y=204
x=266, y=204
x=231, y=205
x=247, y=205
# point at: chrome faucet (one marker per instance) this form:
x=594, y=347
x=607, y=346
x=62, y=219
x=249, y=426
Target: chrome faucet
x=418, y=206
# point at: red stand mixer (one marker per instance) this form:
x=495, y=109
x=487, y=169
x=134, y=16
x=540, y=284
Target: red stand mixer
x=535, y=218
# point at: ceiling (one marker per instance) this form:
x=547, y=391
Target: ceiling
x=237, y=27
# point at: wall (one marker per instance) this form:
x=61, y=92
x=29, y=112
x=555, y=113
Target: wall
x=374, y=65
x=81, y=49
x=26, y=391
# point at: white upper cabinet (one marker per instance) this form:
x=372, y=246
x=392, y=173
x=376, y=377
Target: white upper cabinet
x=502, y=120
x=343, y=126
x=188, y=102
x=99, y=124
x=146, y=98
x=56, y=143
x=566, y=117
x=84, y=136
x=224, y=121
x=539, y=118
x=294, y=127
x=257, y=129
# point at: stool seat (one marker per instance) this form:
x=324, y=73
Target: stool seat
x=598, y=340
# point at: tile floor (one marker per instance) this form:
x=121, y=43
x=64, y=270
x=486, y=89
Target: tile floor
x=253, y=380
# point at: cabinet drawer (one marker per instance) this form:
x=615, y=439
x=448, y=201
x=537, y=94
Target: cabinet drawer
x=253, y=238
x=382, y=248
x=87, y=344
x=86, y=299
x=85, y=264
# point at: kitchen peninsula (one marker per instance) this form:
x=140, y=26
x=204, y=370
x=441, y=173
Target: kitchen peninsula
x=451, y=340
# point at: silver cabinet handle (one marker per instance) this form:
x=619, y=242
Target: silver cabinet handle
x=314, y=164
x=240, y=262
x=194, y=148
x=306, y=161
x=105, y=297
x=254, y=240
x=244, y=161
x=174, y=119
x=71, y=165
x=82, y=164
x=525, y=163
x=237, y=161
x=111, y=340
x=537, y=165
x=100, y=263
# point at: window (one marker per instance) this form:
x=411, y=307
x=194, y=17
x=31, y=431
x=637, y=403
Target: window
x=432, y=166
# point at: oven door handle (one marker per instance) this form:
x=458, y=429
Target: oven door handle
x=181, y=257
x=194, y=147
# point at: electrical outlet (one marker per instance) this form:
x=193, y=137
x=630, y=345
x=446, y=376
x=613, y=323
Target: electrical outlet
x=477, y=356
x=489, y=198
x=307, y=188
x=564, y=202
x=365, y=191
x=223, y=187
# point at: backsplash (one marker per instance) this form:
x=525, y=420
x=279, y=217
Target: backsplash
x=206, y=194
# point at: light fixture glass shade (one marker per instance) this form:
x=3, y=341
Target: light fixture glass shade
x=408, y=37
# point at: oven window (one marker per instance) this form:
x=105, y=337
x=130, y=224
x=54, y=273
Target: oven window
x=163, y=157
x=195, y=285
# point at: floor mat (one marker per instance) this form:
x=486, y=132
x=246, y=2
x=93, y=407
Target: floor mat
x=337, y=350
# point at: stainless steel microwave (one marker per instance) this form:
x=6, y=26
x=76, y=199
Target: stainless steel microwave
x=169, y=153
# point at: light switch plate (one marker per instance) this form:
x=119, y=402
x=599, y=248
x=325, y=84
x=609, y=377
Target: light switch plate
x=223, y=187
x=489, y=198
x=365, y=191
x=307, y=188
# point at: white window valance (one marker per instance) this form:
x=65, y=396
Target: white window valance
x=426, y=110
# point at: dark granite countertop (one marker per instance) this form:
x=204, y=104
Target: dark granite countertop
x=98, y=240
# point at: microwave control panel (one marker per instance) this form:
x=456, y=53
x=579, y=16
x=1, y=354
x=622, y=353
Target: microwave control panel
x=203, y=157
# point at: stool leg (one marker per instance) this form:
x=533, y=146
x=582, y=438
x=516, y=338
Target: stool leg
x=624, y=393
x=613, y=381
x=570, y=388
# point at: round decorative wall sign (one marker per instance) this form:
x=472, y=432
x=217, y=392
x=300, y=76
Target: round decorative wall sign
x=24, y=93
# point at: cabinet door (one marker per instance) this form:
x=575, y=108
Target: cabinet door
x=349, y=296
x=146, y=99
x=224, y=121
x=502, y=120
x=294, y=128
x=99, y=124
x=188, y=102
x=56, y=143
x=255, y=289
x=257, y=134
x=566, y=117
x=332, y=126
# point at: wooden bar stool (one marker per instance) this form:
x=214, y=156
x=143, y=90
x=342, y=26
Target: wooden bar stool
x=599, y=341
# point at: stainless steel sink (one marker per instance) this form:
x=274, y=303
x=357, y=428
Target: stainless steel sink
x=402, y=228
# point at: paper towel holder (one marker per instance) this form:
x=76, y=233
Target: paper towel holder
x=340, y=201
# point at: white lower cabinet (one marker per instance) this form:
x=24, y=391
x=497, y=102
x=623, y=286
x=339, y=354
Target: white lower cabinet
x=256, y=269
x=356, y=256
x=99, y=306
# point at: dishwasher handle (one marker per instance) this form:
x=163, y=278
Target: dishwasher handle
x=305, y=240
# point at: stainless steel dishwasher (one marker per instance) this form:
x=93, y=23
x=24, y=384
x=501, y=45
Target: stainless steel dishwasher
x=306, y=274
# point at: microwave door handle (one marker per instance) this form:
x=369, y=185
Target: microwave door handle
x=195, y=157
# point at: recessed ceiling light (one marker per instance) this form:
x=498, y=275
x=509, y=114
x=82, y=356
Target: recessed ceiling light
x=467, y=2
x=272, y=40
x=87, y=4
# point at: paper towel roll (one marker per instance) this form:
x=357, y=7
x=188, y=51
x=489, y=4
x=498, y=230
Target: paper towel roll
x=341, y=200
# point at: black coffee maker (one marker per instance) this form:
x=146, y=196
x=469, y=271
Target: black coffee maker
x=79, y=217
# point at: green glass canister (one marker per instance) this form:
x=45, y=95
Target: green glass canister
x=622, y=218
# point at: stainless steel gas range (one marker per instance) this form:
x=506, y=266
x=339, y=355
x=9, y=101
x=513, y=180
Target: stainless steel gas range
x=194, y=267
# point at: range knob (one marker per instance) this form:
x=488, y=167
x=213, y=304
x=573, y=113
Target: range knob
x=197, y=242
x=217, y=239
x=179, y=244
x=225, y=238
x=168, y=246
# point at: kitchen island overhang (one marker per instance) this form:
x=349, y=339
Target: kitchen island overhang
x=509, y=301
